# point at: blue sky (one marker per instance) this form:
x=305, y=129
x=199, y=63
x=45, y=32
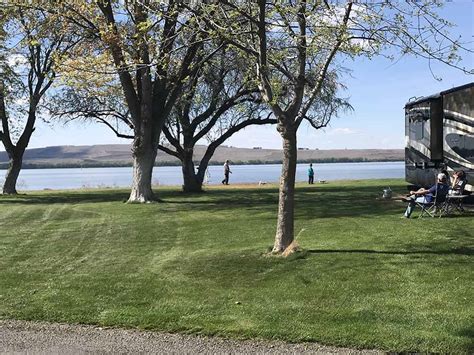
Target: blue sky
x=378, y=91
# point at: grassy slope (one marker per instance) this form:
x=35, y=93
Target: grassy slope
x=366, y=279
x=120, y=154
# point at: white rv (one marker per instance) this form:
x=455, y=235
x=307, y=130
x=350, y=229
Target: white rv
x=439, y=132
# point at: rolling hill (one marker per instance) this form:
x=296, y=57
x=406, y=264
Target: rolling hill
x=120, y=155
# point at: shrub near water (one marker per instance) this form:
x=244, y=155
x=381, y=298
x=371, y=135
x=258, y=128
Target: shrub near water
x=198, y=263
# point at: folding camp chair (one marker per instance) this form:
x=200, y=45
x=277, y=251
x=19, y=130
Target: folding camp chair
x=454, y=199
x=434, y=207
x=453, y=203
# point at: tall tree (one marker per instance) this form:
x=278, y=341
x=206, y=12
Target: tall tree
x=152, y=47
x=32, y=41
x=296, y=48
x=219, y=100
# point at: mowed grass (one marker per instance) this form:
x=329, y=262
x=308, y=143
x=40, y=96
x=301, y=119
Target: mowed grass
x=198, y=264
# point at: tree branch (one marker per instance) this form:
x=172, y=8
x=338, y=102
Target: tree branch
x=173, y=141
x=117, y=133
x=5, y=133
x=231, y=102
x=322, y=74
x=169, y=151
x=119, y=61
x=231, y=131
x=301, y=49
x=262, y=66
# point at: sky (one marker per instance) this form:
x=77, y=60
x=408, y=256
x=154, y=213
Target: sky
x=377, y=89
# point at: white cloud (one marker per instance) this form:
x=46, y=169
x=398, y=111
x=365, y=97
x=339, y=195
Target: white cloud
x=342, y=131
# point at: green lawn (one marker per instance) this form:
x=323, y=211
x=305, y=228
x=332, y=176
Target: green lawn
x=198, y=264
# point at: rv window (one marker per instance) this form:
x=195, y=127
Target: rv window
x=420, y=113
x=418, y=129
x=416, y=117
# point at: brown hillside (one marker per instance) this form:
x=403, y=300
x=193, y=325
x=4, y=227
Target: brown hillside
x=119, y=154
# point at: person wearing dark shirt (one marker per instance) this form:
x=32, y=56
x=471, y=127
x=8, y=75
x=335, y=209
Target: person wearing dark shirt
x=226, y=173
x=310, y=174
x=426, y=196
x=445, y=172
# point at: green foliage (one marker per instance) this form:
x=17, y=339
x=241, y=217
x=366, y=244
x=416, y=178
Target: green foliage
x=32, y=40
x=366, y=278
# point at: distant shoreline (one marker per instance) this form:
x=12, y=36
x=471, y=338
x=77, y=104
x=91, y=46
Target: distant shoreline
x=33, y=166
x=120, y=155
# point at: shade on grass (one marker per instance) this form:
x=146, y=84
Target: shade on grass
x=197, y=263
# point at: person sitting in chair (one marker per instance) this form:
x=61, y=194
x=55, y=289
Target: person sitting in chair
x=459, y=182
x=426, y=196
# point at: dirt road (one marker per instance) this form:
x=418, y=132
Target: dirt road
x=53, y=338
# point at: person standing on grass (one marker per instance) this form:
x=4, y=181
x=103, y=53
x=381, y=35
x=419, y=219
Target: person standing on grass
x=310, y=174
x=226, y=173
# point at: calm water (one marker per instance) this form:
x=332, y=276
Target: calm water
x=39, y=179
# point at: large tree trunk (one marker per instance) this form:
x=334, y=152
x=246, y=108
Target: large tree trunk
x=143, y=161
x=16, y=159
x=191, y=182
x=286, y=203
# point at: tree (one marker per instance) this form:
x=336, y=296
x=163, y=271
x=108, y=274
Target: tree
x=218, y=101
x=91, y=96
x=218, y=98
x=33, y=40
x=152, y=48
x=296, y=48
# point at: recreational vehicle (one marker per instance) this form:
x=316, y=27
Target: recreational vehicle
x=439, y=131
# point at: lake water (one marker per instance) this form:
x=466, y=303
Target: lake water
x=39, y=179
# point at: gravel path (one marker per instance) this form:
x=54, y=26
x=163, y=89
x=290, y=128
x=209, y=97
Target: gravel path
x=54, y=338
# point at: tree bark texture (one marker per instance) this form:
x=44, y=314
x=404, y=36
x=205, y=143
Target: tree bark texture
x=11, y=178
x=191, y=182
x=286, y=203
x=143, y=161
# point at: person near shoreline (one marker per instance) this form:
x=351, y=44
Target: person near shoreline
x=310, y=174
x=226, y=173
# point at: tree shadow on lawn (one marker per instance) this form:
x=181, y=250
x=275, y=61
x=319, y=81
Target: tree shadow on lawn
x=469, y=333
x=65, y=197
x=309, y=203
x=251, y=267
x=454, y=251
x=326, y=202
x=78, y=196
